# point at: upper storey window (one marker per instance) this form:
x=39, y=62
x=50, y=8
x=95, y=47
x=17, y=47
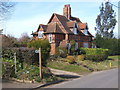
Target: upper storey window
x=40, y=34
x=75, y=28
x=85, y=31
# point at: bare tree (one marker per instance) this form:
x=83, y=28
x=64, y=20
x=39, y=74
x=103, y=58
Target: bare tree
x=6, y=8
x=24, y=39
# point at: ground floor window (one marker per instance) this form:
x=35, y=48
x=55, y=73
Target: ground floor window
x=50, y=38
x=85, y=44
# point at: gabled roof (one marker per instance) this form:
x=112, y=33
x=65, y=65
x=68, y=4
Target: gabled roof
x=71, y=24
x=63, y=21
x=75, y=19
x=43, y=27
x=53, y=27
x=82, y=26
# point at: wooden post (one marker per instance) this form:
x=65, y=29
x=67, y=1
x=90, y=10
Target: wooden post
x=40, y=63
x=15, y=61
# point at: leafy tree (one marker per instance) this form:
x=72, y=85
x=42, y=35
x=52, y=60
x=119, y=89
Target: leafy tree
x=45, y=48
x=105, y=22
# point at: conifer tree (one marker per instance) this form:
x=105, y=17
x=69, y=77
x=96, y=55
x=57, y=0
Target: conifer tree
x=106, y=21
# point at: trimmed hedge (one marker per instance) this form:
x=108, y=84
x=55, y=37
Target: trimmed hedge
x=95, y=54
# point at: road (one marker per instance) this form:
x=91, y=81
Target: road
x=102, y=79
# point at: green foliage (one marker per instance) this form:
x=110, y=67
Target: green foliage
x=105, y=22
x=61, y=51
x=95, y=54
x=70, y=59
x=72, y=49
x=112, y=44
x=31, y=72
x=8, y=69
x=45, y=48
x=26, y=55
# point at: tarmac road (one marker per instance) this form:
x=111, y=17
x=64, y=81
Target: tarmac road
x=102, y=79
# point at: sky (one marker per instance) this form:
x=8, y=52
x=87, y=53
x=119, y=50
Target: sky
x=27, y=16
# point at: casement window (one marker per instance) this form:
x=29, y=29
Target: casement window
x=85, y=44
x=50, y=38
x=75, y=28
x=85, y=31
x=40, y=34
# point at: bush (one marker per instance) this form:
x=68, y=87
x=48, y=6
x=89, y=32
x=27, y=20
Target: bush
x=112, y=44
x=31, y=72
x=70, y=59
x=45, y=48
x=8, y=69
x=26, y=55
x=61, y=52
x=80, y=58
x=95, y=54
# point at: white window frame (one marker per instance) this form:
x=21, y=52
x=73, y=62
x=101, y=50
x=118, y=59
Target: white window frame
x=85, y=31
x=50, y=38
x=75, y=30
x=85, y=45
x=40, y=34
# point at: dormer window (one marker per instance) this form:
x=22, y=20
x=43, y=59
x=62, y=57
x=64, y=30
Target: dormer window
x=85, y=31
x=40, y=34
x=75, y=28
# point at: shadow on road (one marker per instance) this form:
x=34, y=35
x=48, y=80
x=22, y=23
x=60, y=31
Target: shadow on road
x=68, y=76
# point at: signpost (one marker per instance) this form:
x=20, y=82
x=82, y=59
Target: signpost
x=40, y=61
x=15, y=61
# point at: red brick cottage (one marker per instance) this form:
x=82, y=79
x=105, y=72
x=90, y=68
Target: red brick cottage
x=63, y=28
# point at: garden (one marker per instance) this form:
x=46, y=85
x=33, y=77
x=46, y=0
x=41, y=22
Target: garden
x=26, y=67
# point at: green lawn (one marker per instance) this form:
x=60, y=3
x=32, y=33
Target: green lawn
x=111, y=62
x=67, y=67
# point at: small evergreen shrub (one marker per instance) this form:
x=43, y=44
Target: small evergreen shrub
x=70, y=59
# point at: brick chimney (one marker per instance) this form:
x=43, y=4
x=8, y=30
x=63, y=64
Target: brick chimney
x=67, y=11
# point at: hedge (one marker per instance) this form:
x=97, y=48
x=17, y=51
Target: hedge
x=23, y=55
x=95, y=54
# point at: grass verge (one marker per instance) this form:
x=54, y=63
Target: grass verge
x=68, y=67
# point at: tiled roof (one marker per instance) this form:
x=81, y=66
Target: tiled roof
x=75, y=19
x=64, y=21
x=43, y=26
x=34, y=33
x=82, y=26
x=53, y=28
x=70, y=24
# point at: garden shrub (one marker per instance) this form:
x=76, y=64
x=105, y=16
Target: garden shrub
x=70, y=59
x=8, y=69
x=23, y=55
x=61, y=52
x=45, y=48
x=95, y=54
x=31, y=72
x=80, y=58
